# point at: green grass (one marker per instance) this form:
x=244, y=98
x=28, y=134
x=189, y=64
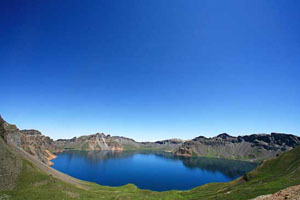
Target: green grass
x=269, y=177
x=194, y=154
x=132, y=148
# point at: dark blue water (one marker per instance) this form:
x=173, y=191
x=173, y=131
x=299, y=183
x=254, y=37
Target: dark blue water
x=157, y=171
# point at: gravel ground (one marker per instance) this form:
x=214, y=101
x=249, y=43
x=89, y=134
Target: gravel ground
x=4, y=197
x=292, y=193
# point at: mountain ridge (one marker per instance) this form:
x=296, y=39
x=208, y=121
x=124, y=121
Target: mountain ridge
x=254, y=147
x=249, y=147
x=100, y=141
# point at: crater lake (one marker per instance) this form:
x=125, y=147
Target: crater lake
x=153, y=170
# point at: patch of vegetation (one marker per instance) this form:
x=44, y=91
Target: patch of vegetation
x=133, y=148
x=85, y=146
x=211, y=153
x=194, y=154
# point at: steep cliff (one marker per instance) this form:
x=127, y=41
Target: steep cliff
x=249, y=147
x=32, y=141
x=42, y=147
x=10, y=133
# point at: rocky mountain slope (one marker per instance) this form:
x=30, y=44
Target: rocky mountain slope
x=100, y=141
x=32, y=141
x=130, y=144
x=250, y=147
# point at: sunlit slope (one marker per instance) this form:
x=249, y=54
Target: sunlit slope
x=269, y=177
x=34, y=181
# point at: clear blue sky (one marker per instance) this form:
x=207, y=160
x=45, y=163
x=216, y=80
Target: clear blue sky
x=151, y=69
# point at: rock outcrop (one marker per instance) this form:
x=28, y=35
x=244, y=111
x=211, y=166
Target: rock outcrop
x=42, y=147
x=32, y=141
x=292, y=193
x=10, y=133
x=249, y=147
x=97, y=142
x=100, y=141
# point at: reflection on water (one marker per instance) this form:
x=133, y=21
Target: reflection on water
x=153, y=170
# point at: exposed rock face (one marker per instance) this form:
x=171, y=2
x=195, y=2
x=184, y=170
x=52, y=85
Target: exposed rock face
x=38, y=145
x=100, y=141
x=32, y=141
x=250, y=147
x=10, y=133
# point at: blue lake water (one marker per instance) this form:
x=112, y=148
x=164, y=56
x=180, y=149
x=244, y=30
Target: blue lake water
x=151, y=170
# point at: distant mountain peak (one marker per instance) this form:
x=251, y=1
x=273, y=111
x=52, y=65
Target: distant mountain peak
x=223, y=135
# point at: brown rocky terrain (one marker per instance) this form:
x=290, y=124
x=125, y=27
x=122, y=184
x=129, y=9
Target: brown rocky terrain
x=250, y=147
x=98, y=141
x=32, y=141
x=292, y=193
x=38, y=145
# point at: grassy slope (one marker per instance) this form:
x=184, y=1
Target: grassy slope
x=269, y=177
